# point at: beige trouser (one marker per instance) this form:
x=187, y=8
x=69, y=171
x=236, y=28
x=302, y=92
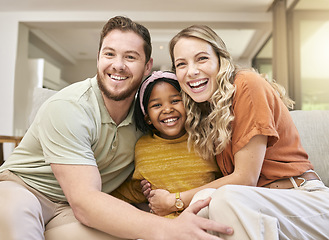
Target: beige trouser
x=262, y=213
x=26, y=214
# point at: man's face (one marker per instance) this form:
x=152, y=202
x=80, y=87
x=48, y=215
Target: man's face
x=121, y=64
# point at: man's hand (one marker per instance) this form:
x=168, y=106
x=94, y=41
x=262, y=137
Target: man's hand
x=189, y=226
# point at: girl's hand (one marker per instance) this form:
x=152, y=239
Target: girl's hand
x=161, y=202
x=146, y=187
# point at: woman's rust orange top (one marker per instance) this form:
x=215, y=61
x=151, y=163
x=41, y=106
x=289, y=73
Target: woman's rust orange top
x=258, y=110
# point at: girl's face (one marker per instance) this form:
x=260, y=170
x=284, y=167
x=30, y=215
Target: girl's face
x=197, y=66
x=166, y=111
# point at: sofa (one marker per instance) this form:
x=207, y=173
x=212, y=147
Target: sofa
x=313, y=129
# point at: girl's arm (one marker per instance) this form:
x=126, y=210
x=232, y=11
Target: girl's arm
x=248, y=164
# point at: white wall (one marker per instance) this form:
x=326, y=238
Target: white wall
x=82, y=70
x=16, y=89
x=8, y=48
x=23, y=86
x=35, y=52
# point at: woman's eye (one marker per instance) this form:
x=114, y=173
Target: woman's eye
x=179, y=65
x=203, y=58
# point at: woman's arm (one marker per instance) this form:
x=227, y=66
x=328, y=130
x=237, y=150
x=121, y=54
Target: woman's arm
x=248, y=164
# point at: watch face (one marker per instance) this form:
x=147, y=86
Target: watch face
x=179, y=204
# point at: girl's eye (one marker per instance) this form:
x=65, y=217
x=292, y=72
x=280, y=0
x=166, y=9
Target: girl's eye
x=155, y=105
x=177, y=100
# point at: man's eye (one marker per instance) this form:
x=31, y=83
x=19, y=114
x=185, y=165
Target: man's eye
x=131, y=57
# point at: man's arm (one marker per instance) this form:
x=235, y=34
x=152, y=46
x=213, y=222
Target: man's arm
x=82, y=187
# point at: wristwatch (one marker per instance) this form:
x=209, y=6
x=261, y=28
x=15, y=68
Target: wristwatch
x=179, y=204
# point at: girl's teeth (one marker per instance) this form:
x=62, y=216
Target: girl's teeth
x=170, y=120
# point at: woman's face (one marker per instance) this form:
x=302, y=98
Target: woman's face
x=197, y=66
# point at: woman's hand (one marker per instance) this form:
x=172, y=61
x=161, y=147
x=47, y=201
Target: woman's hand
x=162, y=202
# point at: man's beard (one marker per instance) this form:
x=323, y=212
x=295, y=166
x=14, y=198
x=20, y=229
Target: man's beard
x=119, y=97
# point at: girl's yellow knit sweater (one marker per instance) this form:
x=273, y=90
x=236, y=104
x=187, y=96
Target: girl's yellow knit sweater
x=166, y=164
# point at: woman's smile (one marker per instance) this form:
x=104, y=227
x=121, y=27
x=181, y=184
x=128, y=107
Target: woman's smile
x=198, y=85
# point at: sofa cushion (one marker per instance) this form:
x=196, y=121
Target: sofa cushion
x=40, y=95
x=314, y=132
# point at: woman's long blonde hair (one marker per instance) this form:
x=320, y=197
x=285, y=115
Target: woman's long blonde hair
x=209, y=123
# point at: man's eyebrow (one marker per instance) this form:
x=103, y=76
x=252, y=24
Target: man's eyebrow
x=126, y=52
x=133, y=52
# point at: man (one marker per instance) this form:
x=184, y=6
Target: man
x=79, y=148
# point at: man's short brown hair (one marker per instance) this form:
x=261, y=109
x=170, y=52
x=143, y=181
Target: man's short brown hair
x=126, y=24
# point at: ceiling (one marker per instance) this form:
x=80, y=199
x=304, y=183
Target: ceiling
x=244, y=25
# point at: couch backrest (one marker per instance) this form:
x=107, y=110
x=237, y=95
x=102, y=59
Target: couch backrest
x=40, y=95
x=313, y=128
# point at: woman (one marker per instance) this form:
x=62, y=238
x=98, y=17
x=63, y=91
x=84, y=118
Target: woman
x=242, y=119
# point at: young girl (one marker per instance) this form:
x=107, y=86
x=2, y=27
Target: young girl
x=240, y=117
x=162, y=156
